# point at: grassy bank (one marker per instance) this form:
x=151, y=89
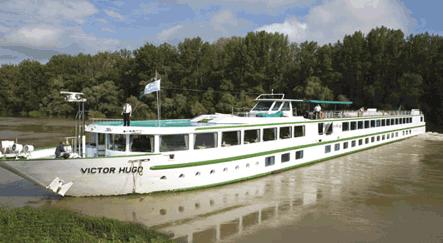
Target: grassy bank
x=57, y=225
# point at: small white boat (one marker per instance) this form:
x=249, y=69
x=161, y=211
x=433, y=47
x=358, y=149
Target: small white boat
x=209, y=150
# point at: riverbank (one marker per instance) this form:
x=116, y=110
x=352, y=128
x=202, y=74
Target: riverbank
x=58, y=225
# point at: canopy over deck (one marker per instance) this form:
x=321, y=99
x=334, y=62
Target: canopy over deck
x=329, y=102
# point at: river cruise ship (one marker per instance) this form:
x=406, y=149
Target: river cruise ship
x=168, y=155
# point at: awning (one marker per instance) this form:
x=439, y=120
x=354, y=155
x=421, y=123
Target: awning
x=329, y=102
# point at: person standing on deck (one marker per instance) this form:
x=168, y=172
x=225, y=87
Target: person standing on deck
x=317, y=110
x=127, y=112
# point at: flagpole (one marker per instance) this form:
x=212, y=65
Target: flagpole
x=158, y=108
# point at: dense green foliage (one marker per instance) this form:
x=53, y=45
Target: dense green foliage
x=56, y=225
x=382, y=69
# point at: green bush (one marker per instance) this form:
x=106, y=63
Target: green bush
x=57, y=225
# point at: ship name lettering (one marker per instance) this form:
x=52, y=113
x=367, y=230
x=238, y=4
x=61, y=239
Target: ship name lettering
x=112, y=170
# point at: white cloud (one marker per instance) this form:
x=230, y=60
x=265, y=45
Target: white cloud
x=222, y=23
x=331, y=20
x=249, y=6
x=113, y=14
x=50, y=25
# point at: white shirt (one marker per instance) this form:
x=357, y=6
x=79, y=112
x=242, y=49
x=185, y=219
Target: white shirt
x=317, y=108
x=127, y=108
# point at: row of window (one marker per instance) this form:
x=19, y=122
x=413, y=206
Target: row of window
x=179, y=142
x=354, y=125
x=268, y=162
x=328, y=148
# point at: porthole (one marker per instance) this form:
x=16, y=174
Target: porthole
x=197, y=205
x=257, y=163
x=212, y=172
x=237, y=167
x=197, y=173
x=162, y=211
x=181, y=176
x=181, y=209
x=163, y=178
x=247, y=165
x=225, y=169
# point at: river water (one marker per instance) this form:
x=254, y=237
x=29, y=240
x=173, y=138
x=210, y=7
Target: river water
x=392, y=193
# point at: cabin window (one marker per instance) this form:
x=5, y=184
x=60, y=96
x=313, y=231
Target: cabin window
x=276, y=106
x=410, y=119
x=299, y=154
x=378, y=138
x=372, y=139
x=269, y=160
x=101, y=138
x=396, y=134
x=175, y=142
x=353, y=143
x=360, y=142
x=299, y=131
x=320, y=128
x=388, y=136
x=388, y=122
x=269, y=134
x=337, y=147
x=328, y=128
x=230, y=138
x=263, y=106
x=383, y=137
x=383, y=122
x=353, y=125
x=142, y=143
x=285, y=107
x=378, y=123
x=117, y=142
x=285, y=132
x=422, y=119
x=252, y=136
x=360, y=124
x=372, y=123
x=285, y=157
x=367, y=124
x=345, y=145
x=205, y=140
x=392, y=122
x=345, y=126
x=366, y=140
x=327, y=149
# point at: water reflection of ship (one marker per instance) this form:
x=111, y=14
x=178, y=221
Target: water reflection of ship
x=208, y=215
x=228, y=211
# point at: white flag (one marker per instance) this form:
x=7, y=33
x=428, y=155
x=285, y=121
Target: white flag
x=152, y=87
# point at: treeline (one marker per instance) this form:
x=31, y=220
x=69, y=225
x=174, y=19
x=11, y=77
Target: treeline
x=382, y=69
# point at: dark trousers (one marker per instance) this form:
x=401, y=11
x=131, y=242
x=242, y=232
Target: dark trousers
x=126, y=119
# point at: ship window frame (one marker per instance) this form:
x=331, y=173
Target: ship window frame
x=203, y=145
x=373, y=123
x=327, y=148
x=353, y=125
x=345, y=126
x=259, y=106
x=286, y=157
x=151, y=139
x=367, y=140
x=367, y=124
x=285, y=106
x=329, y=128
x=297, y=132
x=288, y=135
x=299, y=154
x=237, y=139
x=360, y=125
x=360, y=142
x=372, y=139
x=176, y=148
x=274, y=132
x=345, y=145
x=246, y=139
x=353, y=143
x=383, y=122
x=378, y=123
x=320, y=127
x=277, y=105
x=111, y=142
x=337, y=147
x=269, y=161
x=388, y=122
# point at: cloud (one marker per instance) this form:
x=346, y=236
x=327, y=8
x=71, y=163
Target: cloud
x=331, y=20
x=114, y=14
x=39, y=29
x=249, y=6
x=220, y=24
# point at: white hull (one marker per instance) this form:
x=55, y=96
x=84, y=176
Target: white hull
x=195, y=168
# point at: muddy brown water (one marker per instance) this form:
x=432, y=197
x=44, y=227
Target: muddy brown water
x=392, y=193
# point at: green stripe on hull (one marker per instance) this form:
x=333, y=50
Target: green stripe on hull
x=246, y=156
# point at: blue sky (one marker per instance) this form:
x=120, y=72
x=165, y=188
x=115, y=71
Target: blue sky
x=38, y=29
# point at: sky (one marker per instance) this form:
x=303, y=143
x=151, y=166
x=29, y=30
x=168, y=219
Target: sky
x=38, y=29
